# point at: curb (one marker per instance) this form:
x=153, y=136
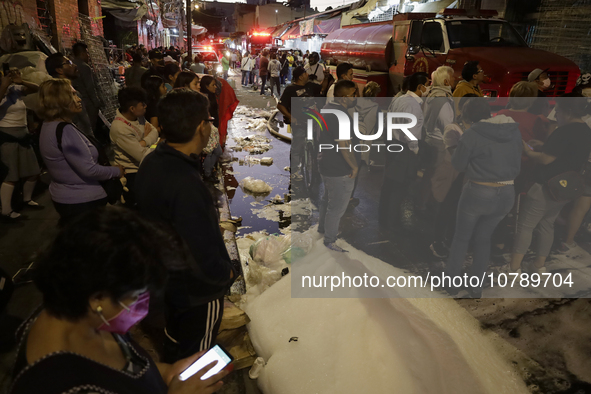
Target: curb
x=239, y=286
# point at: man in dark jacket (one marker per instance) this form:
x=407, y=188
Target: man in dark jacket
x=170, y=190
x=85, y=85
x=156, y=65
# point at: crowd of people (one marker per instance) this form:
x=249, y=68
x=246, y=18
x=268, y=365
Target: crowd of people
x=165, y=241
x=264, y=66
x=474, y=159
x=166, y=124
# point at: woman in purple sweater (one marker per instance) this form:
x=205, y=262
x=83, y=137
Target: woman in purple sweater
x=74, y=169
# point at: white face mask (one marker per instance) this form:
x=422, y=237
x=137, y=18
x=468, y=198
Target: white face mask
x=546, y=83
x=586, y=92
x=427, y=91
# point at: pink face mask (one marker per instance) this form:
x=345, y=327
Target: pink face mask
x=128, y=317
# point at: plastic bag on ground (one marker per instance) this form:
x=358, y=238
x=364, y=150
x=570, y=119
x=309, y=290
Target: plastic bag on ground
x=269, y=251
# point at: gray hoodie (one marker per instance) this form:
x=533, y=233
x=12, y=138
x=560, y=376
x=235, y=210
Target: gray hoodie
x=490, y=150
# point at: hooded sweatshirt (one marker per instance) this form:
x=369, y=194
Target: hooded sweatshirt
x=490, y=151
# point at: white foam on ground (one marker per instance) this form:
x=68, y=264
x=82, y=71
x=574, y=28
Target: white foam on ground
x=257, y=186
x=356, y=345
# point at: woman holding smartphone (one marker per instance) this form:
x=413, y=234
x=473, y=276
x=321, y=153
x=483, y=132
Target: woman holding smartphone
x=16, y=152
x=96, y=281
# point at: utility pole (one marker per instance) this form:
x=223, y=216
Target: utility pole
x=189, y=31
x=180, y=4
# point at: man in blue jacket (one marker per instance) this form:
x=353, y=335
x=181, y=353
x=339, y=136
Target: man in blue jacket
x=170, y=190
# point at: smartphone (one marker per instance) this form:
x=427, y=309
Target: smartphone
x=216, y=353
x=5, y=68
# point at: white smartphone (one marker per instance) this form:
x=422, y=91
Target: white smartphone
x=216, y=353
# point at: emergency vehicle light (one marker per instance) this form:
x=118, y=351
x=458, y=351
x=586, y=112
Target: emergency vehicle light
x=260, y=33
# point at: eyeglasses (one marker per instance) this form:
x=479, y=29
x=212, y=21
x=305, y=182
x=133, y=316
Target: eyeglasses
x=69, y=62
x=480, y=71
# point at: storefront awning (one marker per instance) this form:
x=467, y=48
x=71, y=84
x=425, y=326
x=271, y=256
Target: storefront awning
x=292, y=33
x=327, y=26
x=126, y=11
x=279, y=31
x=197, y=30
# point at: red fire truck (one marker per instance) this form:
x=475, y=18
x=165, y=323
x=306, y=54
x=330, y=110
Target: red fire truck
x=385, y=52
x=256, y=41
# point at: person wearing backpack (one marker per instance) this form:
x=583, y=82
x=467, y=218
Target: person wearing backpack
x=73, y=162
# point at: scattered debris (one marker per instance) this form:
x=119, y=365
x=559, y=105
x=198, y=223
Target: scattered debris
x=274, y=212
x=266, y=161
x=256, y=186
x=255, y=144
x=288, y=169
x=252, y=112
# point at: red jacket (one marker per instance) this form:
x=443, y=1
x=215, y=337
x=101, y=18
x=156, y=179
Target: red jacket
x=227, y=103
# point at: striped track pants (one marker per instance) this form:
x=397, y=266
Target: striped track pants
x=196, y=329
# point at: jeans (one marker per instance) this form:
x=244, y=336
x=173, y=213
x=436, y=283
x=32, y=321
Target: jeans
x=360, y=164
x=211, y=159
x=275, y=82
x=289, y=73
x=337, y=191
x=226, y=74
x=298, y=146
x=245, y=77
x=480, y=210
x=536, y=220
x=445, y=218
x=263, y=83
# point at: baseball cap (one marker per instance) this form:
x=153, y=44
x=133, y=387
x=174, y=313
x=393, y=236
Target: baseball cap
x=169, y=59
x=536, y=74
x=153, y=54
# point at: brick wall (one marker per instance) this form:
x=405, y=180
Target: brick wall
x=18, y=12
x=66, y=25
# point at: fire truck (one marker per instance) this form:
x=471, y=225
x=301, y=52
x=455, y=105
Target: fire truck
x=256, y=41
x=386, y=52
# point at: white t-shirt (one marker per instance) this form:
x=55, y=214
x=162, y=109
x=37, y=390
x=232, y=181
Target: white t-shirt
x=13, y=111
x=330, y=94
x=318, y=70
